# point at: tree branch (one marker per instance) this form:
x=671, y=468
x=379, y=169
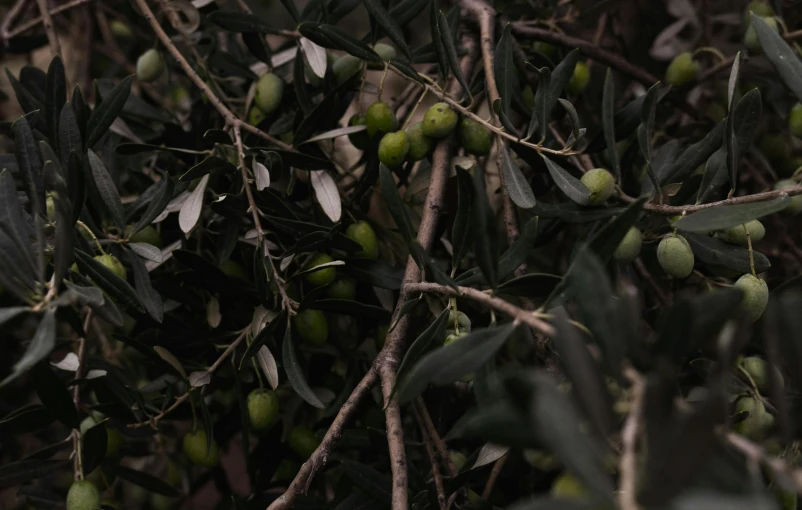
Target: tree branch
x=50, y=30
x=673, y=210
x=629, y=438
x=427, y=442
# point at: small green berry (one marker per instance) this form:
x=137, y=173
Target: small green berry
x=363, y=233
x=345, y=67
x=148, y=235
x=269, y=92
x=439, y=121
x=757, y=421
x=795, y=206
x=795, y=120
x=262, y=408
x=83, y=495
x=385, y=51
x=342, y=288
x=629, y=247
x=544, y=48
x=420, y=145
x=600, y=183
x=255, y=116
x=379, y=117
x=737, y=234
x=323, y=276
x=761, y=9
x=756, y=295
x=675, y=256
x=751, y=40
x=149, y=66
x=579, y=80
x=474, y=137
x=566, y=486
x=303, y=441
x=393, y=148
x=682, y=70
x=113, y=264
x=194, y=444
x=234, y=269
x=120, y=30
x=312, y=326
x=758, y=371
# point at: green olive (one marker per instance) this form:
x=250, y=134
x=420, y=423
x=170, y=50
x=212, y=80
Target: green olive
x=758, y=371
x=51, y=209
x=173, y=474
x=161, y=502
x=303, y=441
x=795, y=120
x=751, y=40
x=148, y=235
x=360, y=139
x=149, y=66
x=629, y=247
x=682, y=70
x=737, y=234
x=544, y=48
x=234, y=269
x=474, y=137
x=113, y=264
x=342, y=288
x=379, y=117
x=194, y=444
x=716, y=111
x=761, y=9
x=796, y=201
x=460, y=319
x=393, y=148
x=385, y=51
x=579, y=80
x=269, y=92
x=363, y=233
x=600, y=183
x=420, y=145
x=757, y=421
x=439, y=120
x=83, y=495
x=675, y=256
x=255, y=116
x=312, y=326
x=756, y=295
x=345, y=67
x=114, y=439
x=262, y=408
x=120, y=30
x=458, y=459
x=322, y=276
x=454, y=336
x=566, y=486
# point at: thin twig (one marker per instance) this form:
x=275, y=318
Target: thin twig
x=673, y=210
x=10, y=16
x=76, y=395
x=494, y=473
x=432, y=430
x=493, y=302
x=427, y=442
x=50, y=30
x=756, y=453
x=629, y=440
x=48, y=13
x=646, y=275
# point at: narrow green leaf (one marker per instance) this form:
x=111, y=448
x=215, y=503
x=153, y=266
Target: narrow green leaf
x=486, y=243
x=404, y=11
x=560, y=77
x=461, y=231
x=6, y=314
x=518, y=188
x=69, y=134
x=695, y=155
x=780, y=54
x=715, y=175
x=712, y=251
x=292, y=9
x=107, y=189
x=742, y=126
x=732, y=84
x=112, y=284
x=11, y=221
x=568, y=184
x=540, y=114
x=42, y=342
x=104, y=114
x=388, y=24
x=144, y=480
x=437, y=39
x=726, y=216
x=577, y=131
x=55, y=95
x=608, y=121
x=394, y=204
x=30, y=164
x=240, y=22
x=504, y=69
x=148, y=296
x=162, y=196
x=451, y=53
x=295, y=372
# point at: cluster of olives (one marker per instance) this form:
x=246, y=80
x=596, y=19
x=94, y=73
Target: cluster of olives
x=312, y=325
x=417, y=141
x=758, y=419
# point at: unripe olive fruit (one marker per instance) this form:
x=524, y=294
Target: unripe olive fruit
x=113, y=263
x=194, y=444
x=113, y=437
x=758, y=370
x=420, y=145
x=474, y=137
x=543, y=48
x=379, y=117
x=600, y=183
x=286, y=470
x=51, y=209
x=360, y=140
x=393, y=148
x=303, y=441
x=345, y=67
x=323, y=276
x=255, y=116
x=751, y=41
x=262, y=408
x=342, y=288
x=761, y=9
x=566, y=486
x=439, y=121
x=312, y=326
x=148, y=235
x=682, y=70
x=385, y=51
x=579, y=80
x=716, y=111
x=269, y=91
x=120, y=30
x=461, y=320
x=458, y=459
x=737, y=234
x=83, y=495
x=795, y=120
x=363, y=233
x=796, y=201
x=234, y=269
x=173, y=475
x=454, y=336
x=675, y=256
x=149, y=66
x=758, y=420
x=629, y=247
x=756, y=295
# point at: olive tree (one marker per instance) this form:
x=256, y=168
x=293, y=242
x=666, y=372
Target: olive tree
x=401, y=254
